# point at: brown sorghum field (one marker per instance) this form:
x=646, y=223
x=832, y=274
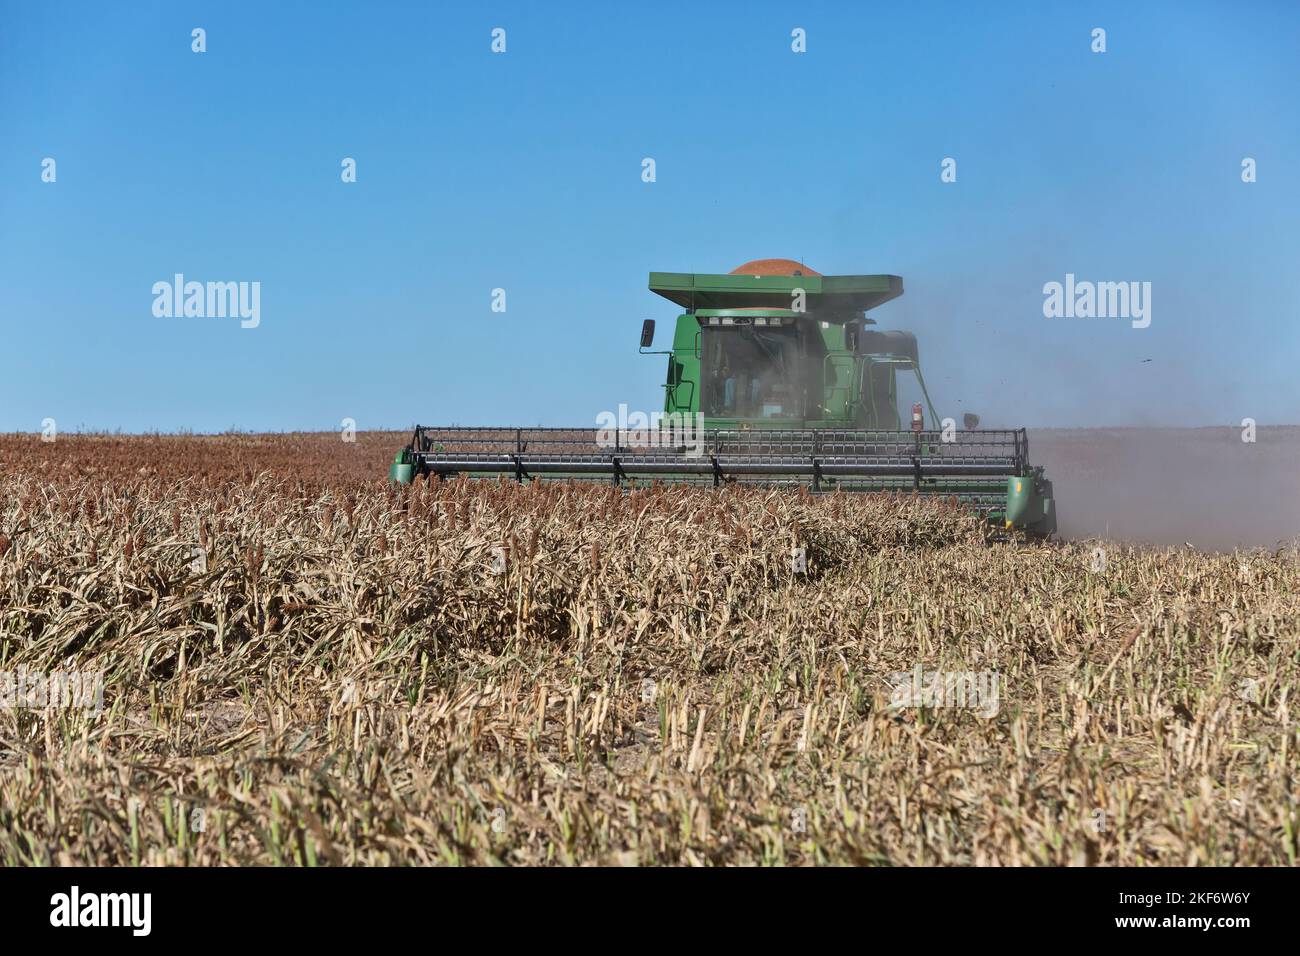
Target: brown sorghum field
x=303, y=665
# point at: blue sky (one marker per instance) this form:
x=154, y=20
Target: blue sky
x=522, y=171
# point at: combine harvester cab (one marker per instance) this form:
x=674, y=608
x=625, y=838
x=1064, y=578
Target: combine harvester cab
x=774, y=378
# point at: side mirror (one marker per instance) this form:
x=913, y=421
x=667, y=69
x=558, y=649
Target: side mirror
x=971, y=421
x=851, y=337
x=647, y=333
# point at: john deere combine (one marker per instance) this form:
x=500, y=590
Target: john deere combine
x=775, y=377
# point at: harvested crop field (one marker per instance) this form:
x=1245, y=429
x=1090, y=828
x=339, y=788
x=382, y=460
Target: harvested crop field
x=302, y=664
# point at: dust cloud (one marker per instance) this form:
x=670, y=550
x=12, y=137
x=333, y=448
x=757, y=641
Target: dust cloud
x=1170, y=486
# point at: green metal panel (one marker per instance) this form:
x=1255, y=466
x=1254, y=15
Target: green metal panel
x=833, y=295
x=750, y=313
x=401, y=470
x=682, y=386
x=1030, y=504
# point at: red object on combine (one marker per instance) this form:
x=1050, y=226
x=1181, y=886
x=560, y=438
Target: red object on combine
x=774, y=267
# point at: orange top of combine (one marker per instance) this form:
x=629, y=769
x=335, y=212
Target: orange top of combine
x=773, y=267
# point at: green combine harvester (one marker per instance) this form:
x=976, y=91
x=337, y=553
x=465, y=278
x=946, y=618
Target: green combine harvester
x=775, y=378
